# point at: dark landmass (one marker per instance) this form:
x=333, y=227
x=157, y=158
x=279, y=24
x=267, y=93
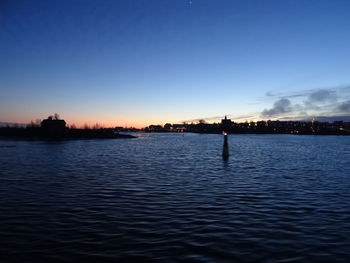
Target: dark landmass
x=54, y=128
x=12, y=124
x=39, y=134
x=260, y=127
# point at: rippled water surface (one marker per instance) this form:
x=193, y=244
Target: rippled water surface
x=171, y=198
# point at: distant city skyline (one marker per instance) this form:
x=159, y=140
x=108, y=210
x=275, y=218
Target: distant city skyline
x=138, y=62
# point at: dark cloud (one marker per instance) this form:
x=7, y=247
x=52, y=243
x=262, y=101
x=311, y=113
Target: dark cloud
x=282, y=95
x=311, y=106
x=312, y=101
x=281, y=106
x=269, y=94
x=312, y=95
x=345, y=106
x=296, y=95
x=322, y=96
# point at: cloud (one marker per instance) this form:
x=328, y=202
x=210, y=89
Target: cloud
x=345, y=106
x=281, y=106
x=312, y=95
x=322, y=96
x=287, y=95
x=270, y=94
x=332, y=103
x=321, y=99
x=312, y=102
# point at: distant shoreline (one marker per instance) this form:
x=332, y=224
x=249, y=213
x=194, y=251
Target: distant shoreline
x=256, y=133
x=37, y=133
x=259, y=127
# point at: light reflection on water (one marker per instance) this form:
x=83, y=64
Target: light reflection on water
x=171, y=197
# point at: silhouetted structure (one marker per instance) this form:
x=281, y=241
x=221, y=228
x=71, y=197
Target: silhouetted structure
x=168, y=127
x=226, y=124
x=53, y=127
x=259, y=127
x=225, y=152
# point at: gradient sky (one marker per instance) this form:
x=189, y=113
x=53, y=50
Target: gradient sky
x=141, y=62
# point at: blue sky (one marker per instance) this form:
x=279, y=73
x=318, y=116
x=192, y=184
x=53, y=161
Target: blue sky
x=137, y=62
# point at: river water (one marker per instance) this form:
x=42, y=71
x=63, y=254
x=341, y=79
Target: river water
x=172, y=198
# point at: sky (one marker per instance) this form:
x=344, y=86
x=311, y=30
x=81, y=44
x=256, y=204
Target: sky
x=142, y=62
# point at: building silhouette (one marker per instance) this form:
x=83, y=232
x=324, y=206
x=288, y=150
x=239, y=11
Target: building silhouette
x=226, y=124
x=53, y=127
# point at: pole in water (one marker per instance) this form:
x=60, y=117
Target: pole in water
x=225, y=153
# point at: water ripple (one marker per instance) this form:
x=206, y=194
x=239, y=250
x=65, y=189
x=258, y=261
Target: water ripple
x=171, y=198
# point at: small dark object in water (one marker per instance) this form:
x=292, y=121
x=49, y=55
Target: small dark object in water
x=225, y=152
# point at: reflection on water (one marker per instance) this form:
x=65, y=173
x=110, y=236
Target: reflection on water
x=169, y=197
